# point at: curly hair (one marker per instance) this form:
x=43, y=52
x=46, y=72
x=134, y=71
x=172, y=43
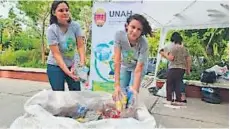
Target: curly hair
x=146, y=27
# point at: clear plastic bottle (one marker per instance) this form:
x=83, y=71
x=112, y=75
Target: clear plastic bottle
x=80, y=71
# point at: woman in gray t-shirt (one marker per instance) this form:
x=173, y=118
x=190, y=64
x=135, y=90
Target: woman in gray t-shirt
x=131, y=53
x=178, y=57
x=64, y=38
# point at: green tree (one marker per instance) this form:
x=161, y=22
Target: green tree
x=86, y=21
x=212, y=42
x=76, y=7
x=153, y=43
x=14, y=28
x=10, y=28
x=38, y=12
x=26, y=41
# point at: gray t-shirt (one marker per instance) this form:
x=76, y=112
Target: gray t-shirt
x=65, y=41
x=131, y=55
x=180, y=54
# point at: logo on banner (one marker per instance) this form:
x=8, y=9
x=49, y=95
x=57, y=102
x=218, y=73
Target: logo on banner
x=100, y=17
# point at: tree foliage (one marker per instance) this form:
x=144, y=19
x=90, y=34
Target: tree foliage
x=38, y=12
x=153, y=43
x=76, y=7
x=210, y=43
x=86, y=21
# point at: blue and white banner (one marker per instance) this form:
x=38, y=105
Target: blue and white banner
x=108, y=17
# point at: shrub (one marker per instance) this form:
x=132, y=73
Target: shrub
x=22, y=56
x=8, y=58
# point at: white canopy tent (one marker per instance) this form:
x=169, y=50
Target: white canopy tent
x=190, y=14
x=186, y=14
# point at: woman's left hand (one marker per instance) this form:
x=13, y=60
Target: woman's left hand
x=72, y=70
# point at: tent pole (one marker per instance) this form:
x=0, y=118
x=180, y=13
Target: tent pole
x=161, y=44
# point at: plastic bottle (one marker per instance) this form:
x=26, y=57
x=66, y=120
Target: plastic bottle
x=118, y=105
x=80, y=111
x=80, y=71
x=131, y=99
x=210, y=90
x=124, y=100
x=121, y=102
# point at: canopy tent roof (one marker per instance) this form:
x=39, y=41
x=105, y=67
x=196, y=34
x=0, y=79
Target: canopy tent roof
x=185, y=14
x=193, y=14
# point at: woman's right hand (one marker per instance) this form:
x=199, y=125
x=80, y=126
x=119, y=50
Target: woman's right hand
x=117, y=92
x=73, y=76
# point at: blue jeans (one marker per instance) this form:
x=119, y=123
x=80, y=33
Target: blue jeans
x=127, y=78
x=57, y=79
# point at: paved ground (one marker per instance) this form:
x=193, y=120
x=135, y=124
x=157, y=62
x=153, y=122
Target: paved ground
x=198, y=114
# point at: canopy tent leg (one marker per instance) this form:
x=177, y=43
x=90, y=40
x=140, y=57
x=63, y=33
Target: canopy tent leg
x=164, y=32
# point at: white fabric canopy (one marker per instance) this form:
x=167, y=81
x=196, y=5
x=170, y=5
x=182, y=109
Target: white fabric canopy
x=184, y=14
x=193, y=14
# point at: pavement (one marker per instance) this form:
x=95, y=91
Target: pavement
x=197, y=114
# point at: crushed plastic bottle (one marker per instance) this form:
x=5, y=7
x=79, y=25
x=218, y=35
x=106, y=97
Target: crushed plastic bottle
x=80, y=71
x=80, y=111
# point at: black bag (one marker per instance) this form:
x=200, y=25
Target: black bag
x=210, y=95
x=208, y=77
